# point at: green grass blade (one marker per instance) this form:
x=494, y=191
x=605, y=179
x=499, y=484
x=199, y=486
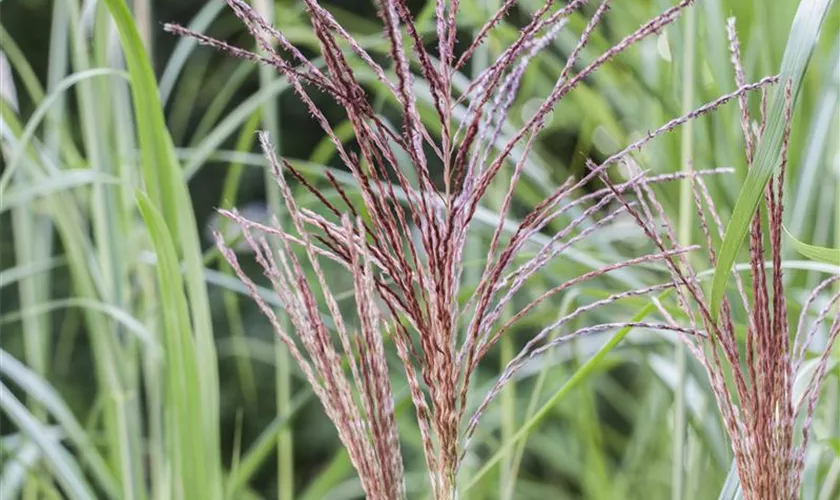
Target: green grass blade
x=566, y=306
x=221, y=100
x=231, y=300
x=14, y=274
x=105, y=214
x=231, y=122
x=187, y=95
x=16, y=471
x=801, y=42
x=190, y=454
x=58, y=460
x=686, y=216
x=38, y=388
x=333, y=474
x=118, y=315
x=579, y=376
x=264, y=445
x=164, y=181
x=817, y=149
x=732, y=486
x=820, y=254
x=21, y=65
x=63, y=181
x=41, y=111
x=185, y=47
x=66, y=217
x=156, y=159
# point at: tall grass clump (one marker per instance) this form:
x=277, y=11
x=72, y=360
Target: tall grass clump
x=402, y=237
x=765, y=394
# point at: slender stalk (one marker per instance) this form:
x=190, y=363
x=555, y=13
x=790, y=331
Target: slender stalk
x=686, y=212
x=25, y=225
x=228, y=199
x=566, y=307
x=143, y=16
x=33, y=234
x=835, y=395
x=508, y=401
x=283, y=363
x=124, y=431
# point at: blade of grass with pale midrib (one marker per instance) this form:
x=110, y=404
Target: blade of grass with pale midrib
x=189, y=451
x=164, y=180
x=803, y=37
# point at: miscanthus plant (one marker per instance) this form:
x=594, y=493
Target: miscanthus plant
x=402, y=234
x=754, y=373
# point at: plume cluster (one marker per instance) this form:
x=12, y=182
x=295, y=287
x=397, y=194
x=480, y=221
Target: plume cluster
x=401, y=231
x=752, y=373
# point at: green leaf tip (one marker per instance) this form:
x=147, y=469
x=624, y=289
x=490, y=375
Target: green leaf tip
x=802, y=40
x=820, y=254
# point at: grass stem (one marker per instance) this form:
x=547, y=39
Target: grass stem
x=685, y=231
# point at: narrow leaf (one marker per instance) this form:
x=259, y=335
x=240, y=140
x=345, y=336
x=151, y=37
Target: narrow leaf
x=164, y=181
x=814, y=252
x=803, y=37
x=57, y=458
x=39, y=389
x=190, y=452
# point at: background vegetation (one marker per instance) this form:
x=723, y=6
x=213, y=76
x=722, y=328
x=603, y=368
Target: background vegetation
x=84, y=359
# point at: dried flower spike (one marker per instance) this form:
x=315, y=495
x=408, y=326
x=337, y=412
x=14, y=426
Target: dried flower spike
x=403, y=241
x=754, y=390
